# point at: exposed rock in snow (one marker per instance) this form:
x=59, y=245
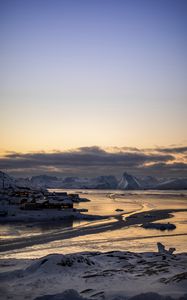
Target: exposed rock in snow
x=51, y=263
x=176, y=278
x=162, y=250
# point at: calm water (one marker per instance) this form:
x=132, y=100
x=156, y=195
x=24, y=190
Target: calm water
x=105, y=203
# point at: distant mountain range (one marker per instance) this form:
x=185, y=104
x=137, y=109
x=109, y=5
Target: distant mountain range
x=126, y=182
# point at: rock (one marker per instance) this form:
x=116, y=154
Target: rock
x=162, y=250
x=159, y=226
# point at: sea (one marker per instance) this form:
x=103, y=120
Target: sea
x=109, y=204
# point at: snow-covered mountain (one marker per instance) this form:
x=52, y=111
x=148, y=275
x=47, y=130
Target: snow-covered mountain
x=126, y=182
x=129, y=182
x=6, y=181
x=106, y=182
x=148, y=182
x=46, y=181
x=24, y=182
x=101, y=182
x=173, y=184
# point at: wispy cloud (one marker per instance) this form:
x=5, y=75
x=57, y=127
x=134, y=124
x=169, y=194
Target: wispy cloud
x=178, y=150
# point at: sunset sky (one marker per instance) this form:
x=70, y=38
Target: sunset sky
x=93, y=77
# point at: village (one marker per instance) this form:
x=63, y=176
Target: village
x=24, y=201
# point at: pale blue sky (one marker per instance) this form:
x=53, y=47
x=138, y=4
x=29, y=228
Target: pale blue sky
x=92, y=72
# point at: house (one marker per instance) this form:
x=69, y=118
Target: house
x=46, y=204
x=67, y=203
x=61, y=194
x=3, y=213
x=18, y=200
x=74, y=197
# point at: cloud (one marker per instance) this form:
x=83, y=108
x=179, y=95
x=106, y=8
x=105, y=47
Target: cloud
x=178, y=150
x=94, y=160
x=86, y=156
x=172, y=167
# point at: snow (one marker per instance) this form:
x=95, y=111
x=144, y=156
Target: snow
x=73, y=295
x=100, y=182
x=96, y=275
x=127, y=182
x=175, y=184
x=66, y=295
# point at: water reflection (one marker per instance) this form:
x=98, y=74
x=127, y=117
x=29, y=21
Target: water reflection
x=15, y=230
x=133, y=238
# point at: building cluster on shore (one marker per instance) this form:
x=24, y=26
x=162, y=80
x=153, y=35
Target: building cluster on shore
x=25, y=198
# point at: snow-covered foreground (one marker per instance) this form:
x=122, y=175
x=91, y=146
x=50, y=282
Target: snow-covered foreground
x=96, y=275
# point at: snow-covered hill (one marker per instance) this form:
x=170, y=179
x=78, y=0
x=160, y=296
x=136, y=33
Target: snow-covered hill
x=95, y=275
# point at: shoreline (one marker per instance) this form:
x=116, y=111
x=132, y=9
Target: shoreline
x=118, y=222
x=46, y=219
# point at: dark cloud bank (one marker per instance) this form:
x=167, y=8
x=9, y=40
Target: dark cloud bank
x=93, y=161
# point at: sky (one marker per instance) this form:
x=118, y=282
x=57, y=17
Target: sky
x=108, y=75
